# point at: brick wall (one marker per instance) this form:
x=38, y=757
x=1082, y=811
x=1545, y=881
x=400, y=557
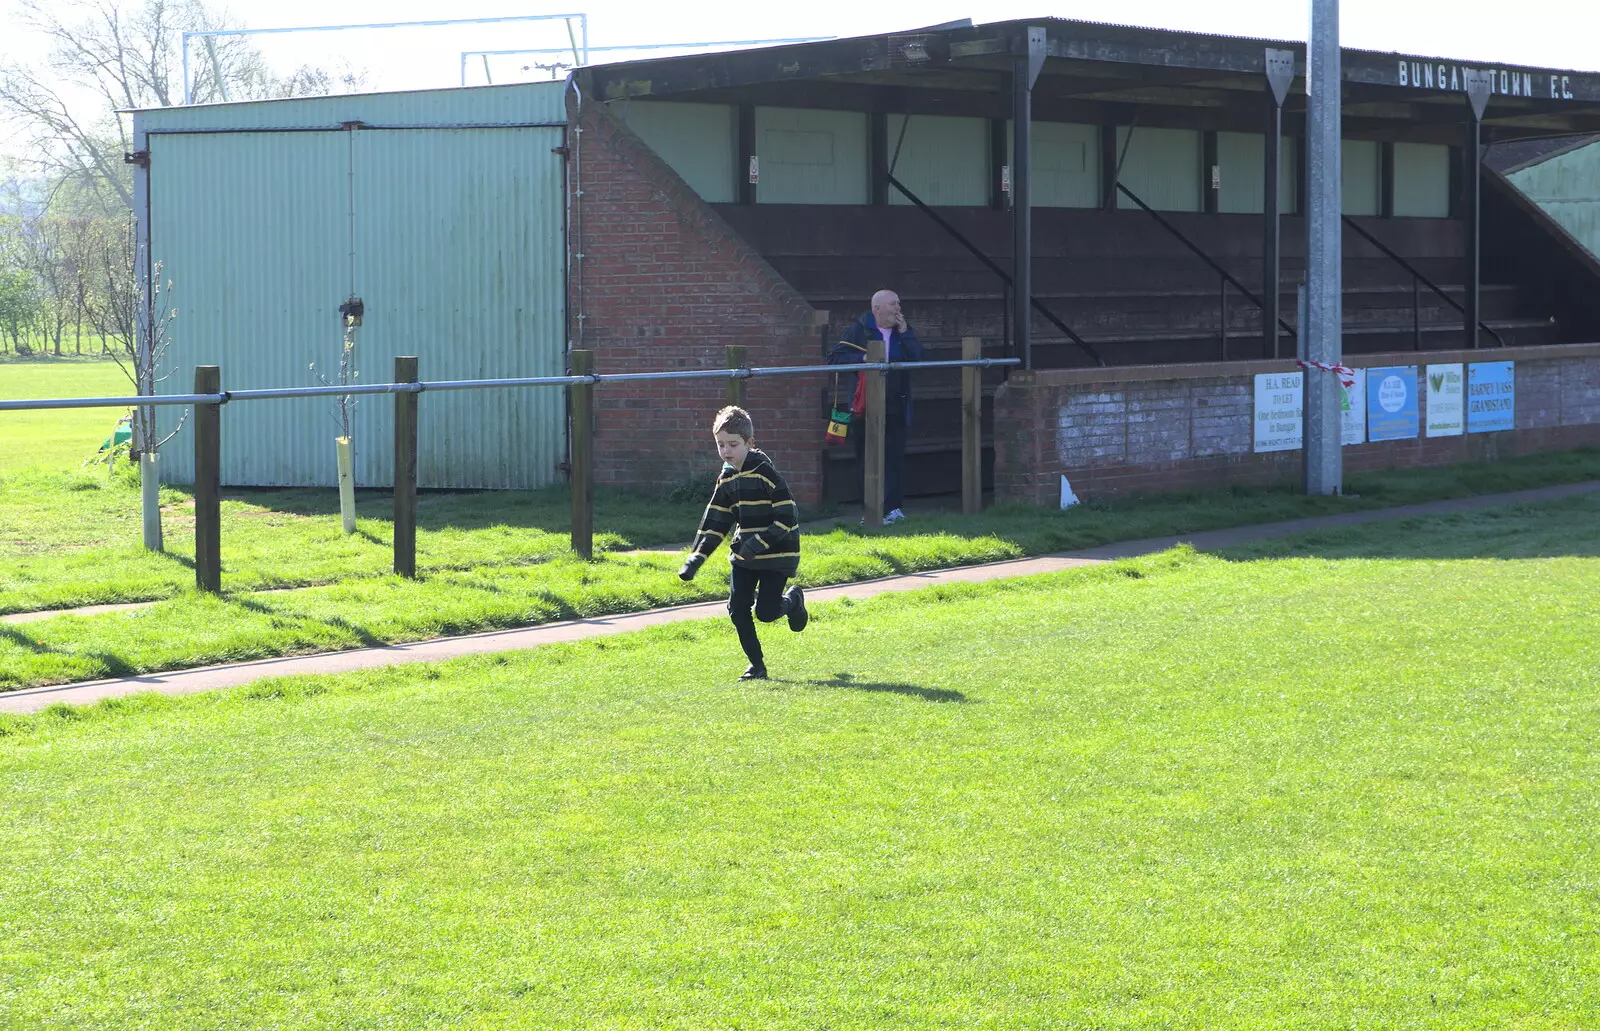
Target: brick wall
x=661, y=282
x=1145, y=429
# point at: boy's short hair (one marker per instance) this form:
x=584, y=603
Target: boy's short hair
x=735, y=420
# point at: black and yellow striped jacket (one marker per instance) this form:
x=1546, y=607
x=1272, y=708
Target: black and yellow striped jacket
x=755, y=506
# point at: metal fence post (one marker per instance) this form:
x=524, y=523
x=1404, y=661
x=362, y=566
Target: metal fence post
x=971, y=428
x=405, y=470
x=583, y=456
x=872, y=472
x=208, y=482
x=738, y=386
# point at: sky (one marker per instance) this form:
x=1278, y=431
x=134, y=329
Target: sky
x=1492, y=31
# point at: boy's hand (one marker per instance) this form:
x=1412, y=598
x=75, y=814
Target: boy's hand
x=750, y=547
x=691, y=566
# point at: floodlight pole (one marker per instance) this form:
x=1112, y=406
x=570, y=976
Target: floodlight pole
x=1324, y=460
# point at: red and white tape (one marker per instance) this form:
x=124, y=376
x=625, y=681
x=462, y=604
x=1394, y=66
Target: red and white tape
x=1346, y=375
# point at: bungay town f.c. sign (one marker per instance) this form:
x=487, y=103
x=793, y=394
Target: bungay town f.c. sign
x=1506, y=82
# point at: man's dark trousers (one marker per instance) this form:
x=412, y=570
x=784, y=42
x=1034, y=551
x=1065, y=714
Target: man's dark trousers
x=894, y=459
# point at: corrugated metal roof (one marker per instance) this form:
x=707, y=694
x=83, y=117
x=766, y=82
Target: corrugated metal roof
x=519, y=104
x=1507, y=158
x=1021, y=23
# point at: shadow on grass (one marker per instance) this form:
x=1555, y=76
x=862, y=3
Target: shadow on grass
x=848, y=681
x=113, y=666
x=367, y=638
x=639, y=517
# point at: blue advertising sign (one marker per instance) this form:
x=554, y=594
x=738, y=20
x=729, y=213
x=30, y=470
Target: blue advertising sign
x=1392, y=403
x=1491, y=397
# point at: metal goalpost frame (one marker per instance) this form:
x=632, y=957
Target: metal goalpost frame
x=210, y=35
x=587, y=50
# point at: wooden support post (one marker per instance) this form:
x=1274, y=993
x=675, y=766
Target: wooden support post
x=583, y=456
x=738, y=386
x=971, y=428
x=405, y=470
x=208, y=482
x=872, y=474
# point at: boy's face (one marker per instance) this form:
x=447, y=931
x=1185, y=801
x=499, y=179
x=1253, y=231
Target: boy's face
x=732, y=448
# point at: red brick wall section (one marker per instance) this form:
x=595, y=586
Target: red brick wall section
x=1121, y=431
x=663, y=283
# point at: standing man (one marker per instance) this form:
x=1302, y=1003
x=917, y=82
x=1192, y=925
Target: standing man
x=901, y=345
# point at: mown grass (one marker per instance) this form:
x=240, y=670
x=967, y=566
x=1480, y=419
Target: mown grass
x=64, y=438
x=70, y=539
x=196, y=629
x=1183, y=792
x=501, y=559
x=281, y=539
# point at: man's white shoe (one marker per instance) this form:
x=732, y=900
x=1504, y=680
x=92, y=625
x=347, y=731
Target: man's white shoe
x=893, y=517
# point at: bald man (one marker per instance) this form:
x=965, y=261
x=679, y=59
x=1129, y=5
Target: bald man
x=885, y=320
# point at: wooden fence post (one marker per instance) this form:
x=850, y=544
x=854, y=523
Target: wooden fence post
x=738, y=386
x=971, y=428
x=208, y=482
x=583, y=456
x=872, y=474
x=405, y=470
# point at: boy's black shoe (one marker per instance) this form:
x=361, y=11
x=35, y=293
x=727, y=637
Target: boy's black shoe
x=754, y=673
x=798, y=616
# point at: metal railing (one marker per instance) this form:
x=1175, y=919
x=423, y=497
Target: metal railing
x=989, y=263
x=1416, y=290
x=1225, y=277
x=208, y=400
x=223, y=397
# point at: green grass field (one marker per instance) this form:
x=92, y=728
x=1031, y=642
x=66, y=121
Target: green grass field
x=57, y=439
x=492, y=560
x=1293, y=786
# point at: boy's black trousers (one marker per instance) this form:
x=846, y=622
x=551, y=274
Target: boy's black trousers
x=764, y=591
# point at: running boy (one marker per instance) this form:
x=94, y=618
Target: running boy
x=753, y=502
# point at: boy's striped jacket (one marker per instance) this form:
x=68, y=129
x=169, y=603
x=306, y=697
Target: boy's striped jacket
x=753, y=509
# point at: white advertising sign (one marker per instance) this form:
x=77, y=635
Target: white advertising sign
x=1447, y=400
x=1279, y=422
x=1353, y=410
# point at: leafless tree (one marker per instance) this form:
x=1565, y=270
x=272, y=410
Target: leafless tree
x=127, y=54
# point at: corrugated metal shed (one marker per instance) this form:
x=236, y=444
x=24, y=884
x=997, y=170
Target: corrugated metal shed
x=444, y=212
x=1567, y=187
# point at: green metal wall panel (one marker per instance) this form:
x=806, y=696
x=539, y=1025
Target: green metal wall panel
x=1567, y=187
x=811, y=156
x=1242, y=163
x=1162, y=166
x=697, y=140
x=1066, y=164
x=1362, y=171
x=453, y=238
x=1421, y=180
x=943, y=160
